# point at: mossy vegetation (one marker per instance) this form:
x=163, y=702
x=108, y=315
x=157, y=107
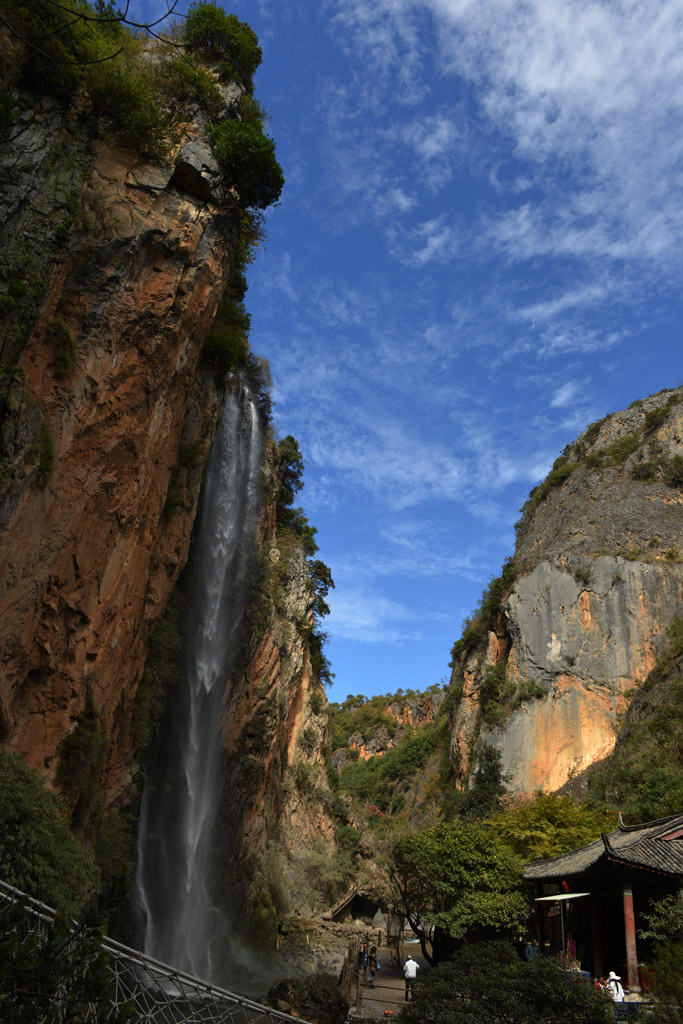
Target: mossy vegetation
x=614, y=454
x=644, y=774
x=38, y=852
x=133, y=92
x=476, y=627
x=225, y=39
x=65, y=346
x=47, y=455
x=82, y=755
x=382, y=785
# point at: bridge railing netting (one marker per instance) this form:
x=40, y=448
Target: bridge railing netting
x=138, y=988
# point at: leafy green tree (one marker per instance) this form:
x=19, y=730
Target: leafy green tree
x=549, y=824
x=488, y=784
x=248, y=159
x=455, y=883
x=38, y=852
x=225, y=38
x=487, y=982
x=321, y=577
x=665, y=928
x=292, y=472
x=294, y=521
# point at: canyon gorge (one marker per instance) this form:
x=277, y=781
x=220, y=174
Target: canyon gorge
x=128, y=436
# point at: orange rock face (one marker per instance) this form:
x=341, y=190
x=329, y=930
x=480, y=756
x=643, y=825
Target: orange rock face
x=600, y=580
x=87, y=562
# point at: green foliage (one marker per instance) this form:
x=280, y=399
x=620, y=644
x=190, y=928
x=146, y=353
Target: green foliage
x=305, y=778
x=348, y=838
x=555, y=478
x=488, y=982
x=38, y=853
x=82, y=755
x=247, y=158
x=65, y=346
x=319, y=661
x=366, y=719
x=665, y=928
x=382, y=781
x=100, y=57
x=182, y=78
x=460, y=877
x=47, y=455
x=226, y=346
x=645, y=472
x=548, y=825
x=529, y=689
x=643, y=777
x=124, y=92
x=162, y=673
x=224, y=38
x=673, y=472
x=614, y=454
x=476, y=628
x=494, y=691
x=291, y=475
x=309, y=740
x=488, y=784
x=316, y=701
x=292, y=522
x=582, y=575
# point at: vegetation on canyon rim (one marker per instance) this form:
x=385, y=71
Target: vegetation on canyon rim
x=133, y=92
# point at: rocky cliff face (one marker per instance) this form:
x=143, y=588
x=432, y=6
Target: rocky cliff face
x=103, y=451
x=546, y=674
x=113, y=266
x=276, y=728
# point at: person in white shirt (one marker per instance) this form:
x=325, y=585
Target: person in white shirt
x=614, y=988
x=410, y=969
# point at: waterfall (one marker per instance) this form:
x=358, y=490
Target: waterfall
x=179, y=917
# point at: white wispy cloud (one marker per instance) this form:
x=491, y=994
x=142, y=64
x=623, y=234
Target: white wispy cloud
x=548, y=309
x=565, y=395
x=588, y=89
x=367, y=617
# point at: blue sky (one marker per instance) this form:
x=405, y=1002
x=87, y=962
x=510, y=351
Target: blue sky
x=477, y=253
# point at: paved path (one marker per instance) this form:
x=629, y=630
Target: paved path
x=389, y=990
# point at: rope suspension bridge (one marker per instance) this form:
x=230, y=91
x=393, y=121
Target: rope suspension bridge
x=138, y=988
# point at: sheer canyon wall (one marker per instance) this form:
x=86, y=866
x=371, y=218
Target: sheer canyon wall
x=548, y=665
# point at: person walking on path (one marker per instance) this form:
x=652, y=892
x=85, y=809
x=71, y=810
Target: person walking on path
x=372, y=966
x=363, y=959
x=532, y=950
x=410, y=969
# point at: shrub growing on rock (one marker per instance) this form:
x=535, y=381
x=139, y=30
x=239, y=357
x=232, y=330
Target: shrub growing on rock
x=38, y=853
x=487, y=981
x=225, y=38
x=247, y=158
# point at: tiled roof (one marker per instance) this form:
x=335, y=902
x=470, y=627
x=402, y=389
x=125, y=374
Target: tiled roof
x=644, y=846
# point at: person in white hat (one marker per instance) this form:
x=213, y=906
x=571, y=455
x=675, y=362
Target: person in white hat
x=410, y=969
x=614, y=988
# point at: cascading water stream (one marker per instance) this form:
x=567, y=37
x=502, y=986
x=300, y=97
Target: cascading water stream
x=179, y=804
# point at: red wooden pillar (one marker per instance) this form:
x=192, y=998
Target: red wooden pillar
x=598, y=965
x=540, y=920
x=630, y=931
